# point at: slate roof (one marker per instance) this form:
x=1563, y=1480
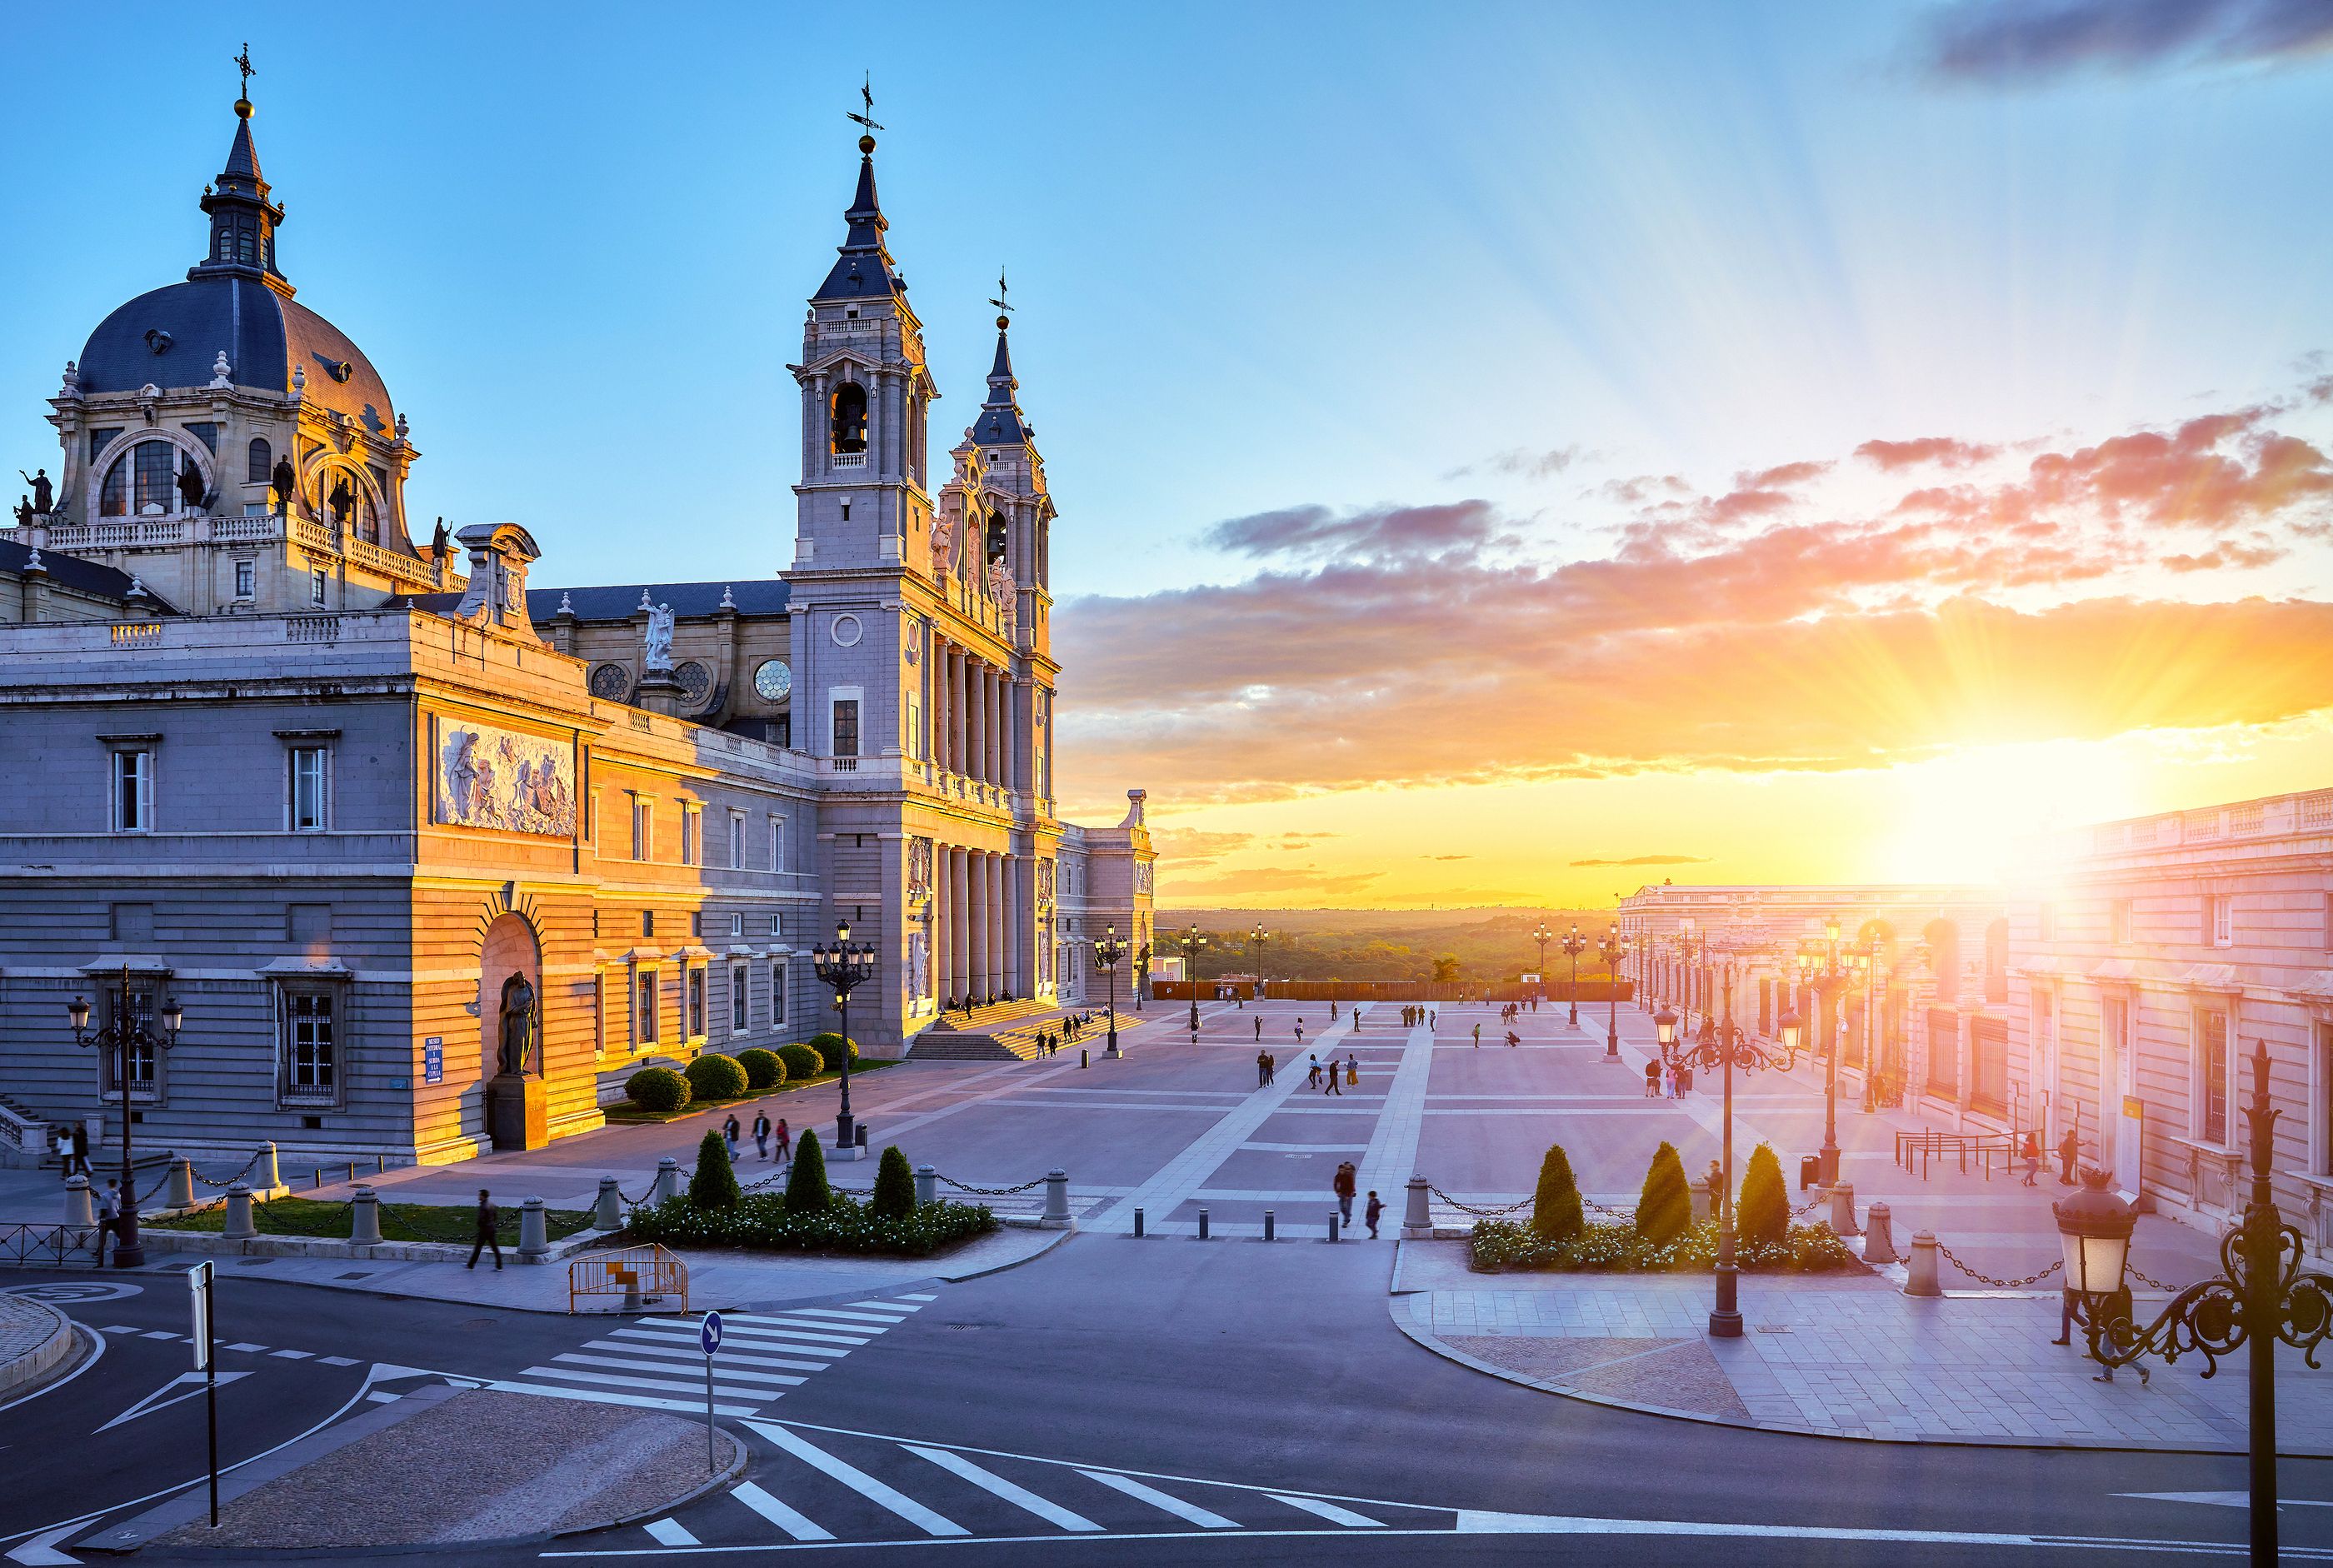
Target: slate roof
x=82, y=576
x=863, y=269
x=999, y=421
x=689, y=600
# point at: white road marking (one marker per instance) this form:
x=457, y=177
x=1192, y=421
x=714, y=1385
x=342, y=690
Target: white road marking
x=758, y=1343
x=1328, y=1511
x=669, y=1533
x=332, y=1361
x=607, y=1397
x=2222, y=1499
x=1158, y=1499
x=720, y=1359
x=919, y=1295
x=720, y=1371
x=293, y=1355
x=897, y=1306
x=860, y=1482
x=245, y=1345
x=793, y=1328
x=162, y=1334
x=383, y=1397
x=847, y=1320
x=778, y=1514
x=40, y=1551
x=674, y=1385
x=1019, y=1496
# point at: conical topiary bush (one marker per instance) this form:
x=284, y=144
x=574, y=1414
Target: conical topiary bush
x=894, y=1187
x=806, y=1189
x=1665, y=1208
x=1556, y=1213
x=714, y=1185
x=1765, y=1214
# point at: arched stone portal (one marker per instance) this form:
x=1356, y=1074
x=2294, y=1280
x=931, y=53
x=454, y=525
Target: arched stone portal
x=510, y=1034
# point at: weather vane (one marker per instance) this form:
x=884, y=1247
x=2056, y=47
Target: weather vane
x=242, y=64
x=867, y=96
x=999, y=301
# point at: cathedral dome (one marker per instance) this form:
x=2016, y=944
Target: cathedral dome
x=170, y=337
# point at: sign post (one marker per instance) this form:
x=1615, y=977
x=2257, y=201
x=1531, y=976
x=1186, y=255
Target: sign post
x=198, y=1288
x=708, y=1334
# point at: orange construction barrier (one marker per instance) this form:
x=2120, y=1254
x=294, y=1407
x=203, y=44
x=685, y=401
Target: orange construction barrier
x=639, y=1277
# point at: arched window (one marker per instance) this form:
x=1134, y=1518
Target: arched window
x=144, y=477
x=261, y=466
x=849, y=418
x=995, y=536
x=246, y=246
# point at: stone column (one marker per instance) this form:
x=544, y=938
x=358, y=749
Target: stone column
x=992, y=889
x=995, y=725
x=1017, y=977
x=960, y=960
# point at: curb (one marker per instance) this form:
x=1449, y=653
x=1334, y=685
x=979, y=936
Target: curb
x=22, y=1374
x=325, y=1246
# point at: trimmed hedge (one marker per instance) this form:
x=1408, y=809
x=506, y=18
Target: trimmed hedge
x=1765, y=1212
x=1556, y=1213
x=799, y=1062
x=657, y=1088
x=830, y=1047
x=714, y=1076
x=1665, y=1206
x=715, y=1184
x=765, y=1222
x=807, y=1191
x=1619, y=1247
x=894, y=1185
x=763, y=1068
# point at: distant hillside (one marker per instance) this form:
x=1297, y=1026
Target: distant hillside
x=1487, y=945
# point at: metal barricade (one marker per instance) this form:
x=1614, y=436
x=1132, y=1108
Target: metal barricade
x=638, y=1276
x=49, y=1245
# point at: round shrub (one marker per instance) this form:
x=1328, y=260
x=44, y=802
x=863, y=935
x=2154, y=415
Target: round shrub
x=830, y=1047
x=657, y=1088
x=714, y=1076
x=763, y=1068
x=799, y=1062
x=894, y=1197
x=1665, y=1206
x=1556, y=1213
x=1765, y=1214
x=807, y=1191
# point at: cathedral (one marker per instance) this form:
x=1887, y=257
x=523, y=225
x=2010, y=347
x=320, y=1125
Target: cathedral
x=429, y=857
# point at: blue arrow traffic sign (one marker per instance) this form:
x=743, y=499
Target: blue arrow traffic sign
x=709, y=1333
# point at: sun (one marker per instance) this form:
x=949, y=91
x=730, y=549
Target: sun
x=1974, y=815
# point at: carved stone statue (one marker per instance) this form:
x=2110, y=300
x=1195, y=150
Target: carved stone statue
x=658, y=638
x=437, y=539
x=1000, y=580
x=25, y=512
x=283, y=481
x=943, y=541
x=343, y=500
x=517, y=1025
x=44, y=494
x=190, y=488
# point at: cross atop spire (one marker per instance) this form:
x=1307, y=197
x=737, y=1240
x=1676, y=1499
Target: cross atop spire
x=1005, y=312
x=999, y=421
x=242, y=64
x=243, y=220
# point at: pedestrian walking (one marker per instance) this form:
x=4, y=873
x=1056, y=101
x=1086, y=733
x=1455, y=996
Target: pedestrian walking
x=1332, y=1011
x=1270, y=1068
x=2032, y=1152
x=1652, y=1080
x=785, y=1141
x=1373, y=1213
x=1334, y=1085
x=1312, y=1072
x=490, y=1220
x=1263, y=1069
x=108, y=1217
x=1514, y=1039
x=1346, y=1179
x=1352, y=1069
x=1300, y=1031
x=1259, y=1026
x=729, y=1135
x=73, y=1144
x=1478, y=1037
x=2070, y=1150
x=762, y=1132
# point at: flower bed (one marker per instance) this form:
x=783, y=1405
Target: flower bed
x=761, y=1222
x=453, y=1224
x=1500, y=1244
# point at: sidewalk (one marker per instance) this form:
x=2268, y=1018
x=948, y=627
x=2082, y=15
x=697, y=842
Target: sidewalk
x=1838, y=1356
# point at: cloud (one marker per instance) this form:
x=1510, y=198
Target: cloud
x=1524, y=462
x=1197, y=847
x=1281, y=880
x=1445, y=857
x=2035, y=40
x=1384, y=532
x=1943, y=450
x=1650, y=861
x=1781, y=477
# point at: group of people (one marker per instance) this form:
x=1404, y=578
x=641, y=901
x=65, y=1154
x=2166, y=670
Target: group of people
x=1412, y=1016
x=1344, y=1184
x=764, y=1134
x=1313, y=1078
x=1514, y=1039
x=1666, y=1080
x=2069, y=1150
x=969, y=1004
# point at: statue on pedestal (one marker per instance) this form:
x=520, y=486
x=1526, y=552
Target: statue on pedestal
x=283, y=481
x=44, y=493
x=191, y=492
x=517, y=1025
x=658, y=639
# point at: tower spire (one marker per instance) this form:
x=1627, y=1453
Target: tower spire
x=243, y=220
x=863, y=266
x=1000, y=420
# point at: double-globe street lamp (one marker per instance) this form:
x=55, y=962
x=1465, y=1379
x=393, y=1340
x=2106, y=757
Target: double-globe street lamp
x=1726, y=1046
x=1611, y=950
x=1256, y=941
x=1542, y=936
x=1829, y=977
x=2259, y=1298
x=129, y=1038
x=1574, y=944
x=845, y=967
x=1193, y=942
x=1106, y=955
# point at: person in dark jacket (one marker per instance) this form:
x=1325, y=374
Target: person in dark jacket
x=1343, y=1186
x=489, y=1220
x=762, y=1131
x=2070, y=1150
x=1372, y=1213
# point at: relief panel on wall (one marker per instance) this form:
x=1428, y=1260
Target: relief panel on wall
x=483, y=776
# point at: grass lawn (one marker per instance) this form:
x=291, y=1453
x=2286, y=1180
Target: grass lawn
x=624, y=1113
x=398, y=1221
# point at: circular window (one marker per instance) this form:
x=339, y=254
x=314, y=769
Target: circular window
x=696, y=682
x=773, y=680
x=846, y=631
x=612, y=681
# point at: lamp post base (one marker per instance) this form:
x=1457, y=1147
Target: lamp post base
x=128, y=1252
x=1612, y=1047
x=1725, y=1317
x=1826, y=1158
x=846, y=1131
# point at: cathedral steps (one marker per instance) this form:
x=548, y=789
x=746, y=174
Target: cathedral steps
x=971, y=1045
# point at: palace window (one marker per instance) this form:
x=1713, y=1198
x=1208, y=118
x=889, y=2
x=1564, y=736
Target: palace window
x=2223, y=920
x=598, y=1016
x=644, y=1009
x=846, y=726
x=777, y=927
x=144, y=1062
x=133, y=790
x=259, y=467
x=692, y=820
x=995, y=536
x=777, y=843
x=697, y=924
x=2211, y=1101
x=642, y=826
x=647, y=923
x=696, y=1003
x=247, y=579
x=736, y=922
x=849, y=420
x=316, y=584
x=737, y=841
x=311, y=783
x=777, y=995
x=737, y=991
x=310, y=1058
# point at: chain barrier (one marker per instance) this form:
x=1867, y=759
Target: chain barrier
x=2145, y=1279
x=1479, y=1213
x=1810, y=1205
x=993, y=1191
x=1606, y=1208
x=161, y=1182
x=1999, y=1284
x=645, y=1193
x=230, y=1180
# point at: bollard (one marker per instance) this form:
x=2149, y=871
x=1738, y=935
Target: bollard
x=608, y=1211
x=533, y=1242
x=240, y=1225
x=1057, y=1201
x=353, y=1170
x=1267, y=1226
x=364, y=1218
x=1332, y=1227
x=1920, y=1279
x=180, y=1193
x=316, y=1178
x=667, y=1179
x=1203, y=1224
x=1137, y=1224
x=380, y=1165
x=1703, y=1195
x=79, y=1211
x=1879, y=1241
x=927, y=1185
x=1842, y=1210
x=1417, y=1219
x=270, y=1178
x=1082, y=1056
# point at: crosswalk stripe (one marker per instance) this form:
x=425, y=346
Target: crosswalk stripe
x=778, y=1514
x=1328, y=1511
x=846, y=1319
x=829, y=1334
x=860, y=1482
x=918, y=1295
x=896, y=1306
x=653, y=1336
x=674, y=1385
x=720, y=1359
x=1019, y=1496
x=609, y=1397
x=1158, y=1499
x=670, y=1533
x=732, y=1373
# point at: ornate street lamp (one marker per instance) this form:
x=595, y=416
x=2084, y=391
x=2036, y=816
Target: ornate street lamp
x=1256, y=939
x=1193, y=942
x=1726, y=1046
x=1644, y=972
x=2260, y=1296
x=1611, y=950
x=126, y=1036
x=1107, y=953
x=845, y=967
x=1542, y=936
x=1830, y=977
x=1575, y=944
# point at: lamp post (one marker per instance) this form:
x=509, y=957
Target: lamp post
x=1256, y=939
x=1644, y=972
x=1829, y=977
x=2260, y=1296
x=1875, y=1092
x=1727, y=1046
x=845, y=967
x=1107, y=953
x=124, y=1036
x=1542, y=936
x=1610, y=952
x=1574, y=944
x=1193, y=942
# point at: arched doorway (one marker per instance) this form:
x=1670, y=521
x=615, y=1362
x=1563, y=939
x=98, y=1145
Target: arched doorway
x=510, y=1034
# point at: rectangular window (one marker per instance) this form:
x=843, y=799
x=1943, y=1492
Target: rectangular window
x=697, y=924
x=641, y=825
x=309, y=780
x=647, y=922
x=133, y=792
x=777, y=995
x=1989, y=1064
x=599, y=1015
x=846, y=726
x=696, y=1004
x=311, y=1060
x=916, y=728
x=144, y=1061
x=157, y=475
x=777, y=843
x=2223, y=920
x=316, y=580
x=737, y=988
x=691, y=832
x=644, y=1009
x=2212, y=1077
x=777, y=927
x=247, y=579
x=737, y=923
x=737, y=841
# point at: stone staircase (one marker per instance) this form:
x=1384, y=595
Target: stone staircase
x=1005, y=1032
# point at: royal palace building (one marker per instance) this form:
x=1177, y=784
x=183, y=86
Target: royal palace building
x=351, y=789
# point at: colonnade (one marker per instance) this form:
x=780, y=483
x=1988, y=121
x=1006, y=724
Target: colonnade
x=974, y=715
x=978, y=912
